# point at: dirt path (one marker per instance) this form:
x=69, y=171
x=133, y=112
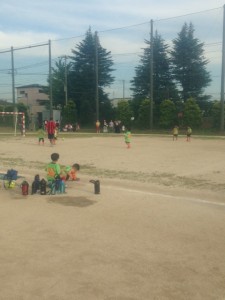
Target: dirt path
x=156, y=231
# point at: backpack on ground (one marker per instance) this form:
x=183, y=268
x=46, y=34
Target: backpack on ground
x=57, y=186
x=11, y=175
x=35, y=185
x=43, y=186
x=10, y=178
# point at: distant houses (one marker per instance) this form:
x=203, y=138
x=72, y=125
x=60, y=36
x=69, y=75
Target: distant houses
x=36, y=99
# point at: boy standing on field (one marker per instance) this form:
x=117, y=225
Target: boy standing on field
x=127, y=136
x=97, y=125
x=189, y=132
x=51, y=130
x=41, y=136
x=175, y=133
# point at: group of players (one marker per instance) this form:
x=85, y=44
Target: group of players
x=175, y=133
x=51, y=128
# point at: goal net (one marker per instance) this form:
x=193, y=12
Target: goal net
x=12, y=122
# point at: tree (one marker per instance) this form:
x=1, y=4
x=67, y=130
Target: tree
x=215, y=113
x=106, y=111
x=21, y=107
x=59, y=74
x=83, y=74
x=124, y=113
x=69, y=113
x=164, y=87
x=143, y=114
x=189, y=64
x=192, y=114
x=167, y=114
x=6, y=120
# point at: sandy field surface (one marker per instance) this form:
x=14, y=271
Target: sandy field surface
x=155, y=231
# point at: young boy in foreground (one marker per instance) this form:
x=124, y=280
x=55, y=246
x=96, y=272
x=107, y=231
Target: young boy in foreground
x=54, y=176
x=53, y=168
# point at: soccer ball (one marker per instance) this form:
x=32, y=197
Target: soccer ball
x=132, y=118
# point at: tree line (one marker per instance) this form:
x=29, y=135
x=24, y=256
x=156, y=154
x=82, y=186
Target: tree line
x=180, y=77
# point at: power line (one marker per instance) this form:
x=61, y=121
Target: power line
x=107, y=30
x=194, y=13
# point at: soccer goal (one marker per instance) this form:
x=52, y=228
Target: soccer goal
x=16, y=118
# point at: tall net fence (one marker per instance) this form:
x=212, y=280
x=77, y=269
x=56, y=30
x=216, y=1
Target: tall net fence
x=126, y=45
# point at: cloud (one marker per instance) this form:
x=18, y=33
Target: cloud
x=28, y=22
x=22, y=39
x=73, y=17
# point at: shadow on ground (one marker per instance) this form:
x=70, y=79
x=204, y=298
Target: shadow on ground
x=72, y=201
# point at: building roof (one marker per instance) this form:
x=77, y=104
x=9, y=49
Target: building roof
x=31, y=86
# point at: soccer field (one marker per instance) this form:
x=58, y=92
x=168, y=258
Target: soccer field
x=156, y=230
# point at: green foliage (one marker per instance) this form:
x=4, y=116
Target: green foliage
x=192, y=114
x=216, y=114
x=59, y=78
x=69, y=113
x=23, y=108
x=79, y=71
x=167, y=114
x=189, y=63
x=205, y=106
x=106, y=110
x=144, y=114
x=86, y=113
x=83, y=75
x=124, y=113
x=164, y=87
x=6, y=120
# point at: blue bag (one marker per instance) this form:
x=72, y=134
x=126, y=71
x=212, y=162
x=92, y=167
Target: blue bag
x=11, y=174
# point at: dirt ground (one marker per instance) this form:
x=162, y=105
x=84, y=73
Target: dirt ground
x=156, y=230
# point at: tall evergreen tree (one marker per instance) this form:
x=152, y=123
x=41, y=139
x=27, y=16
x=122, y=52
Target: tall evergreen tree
x=83, y=74
x=189, y=63
x=163, y=86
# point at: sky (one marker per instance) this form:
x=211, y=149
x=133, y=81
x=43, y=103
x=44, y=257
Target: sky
x=27, y=22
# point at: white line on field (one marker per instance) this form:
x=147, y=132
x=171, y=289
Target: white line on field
x=167, y=196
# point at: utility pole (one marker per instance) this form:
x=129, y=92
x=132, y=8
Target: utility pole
x=222, y=75
x=96, y=76
x=50, y=77
x=13, y=79
x=123, y=89
x=12, y=50
x=151, y=75
x=65, y=83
